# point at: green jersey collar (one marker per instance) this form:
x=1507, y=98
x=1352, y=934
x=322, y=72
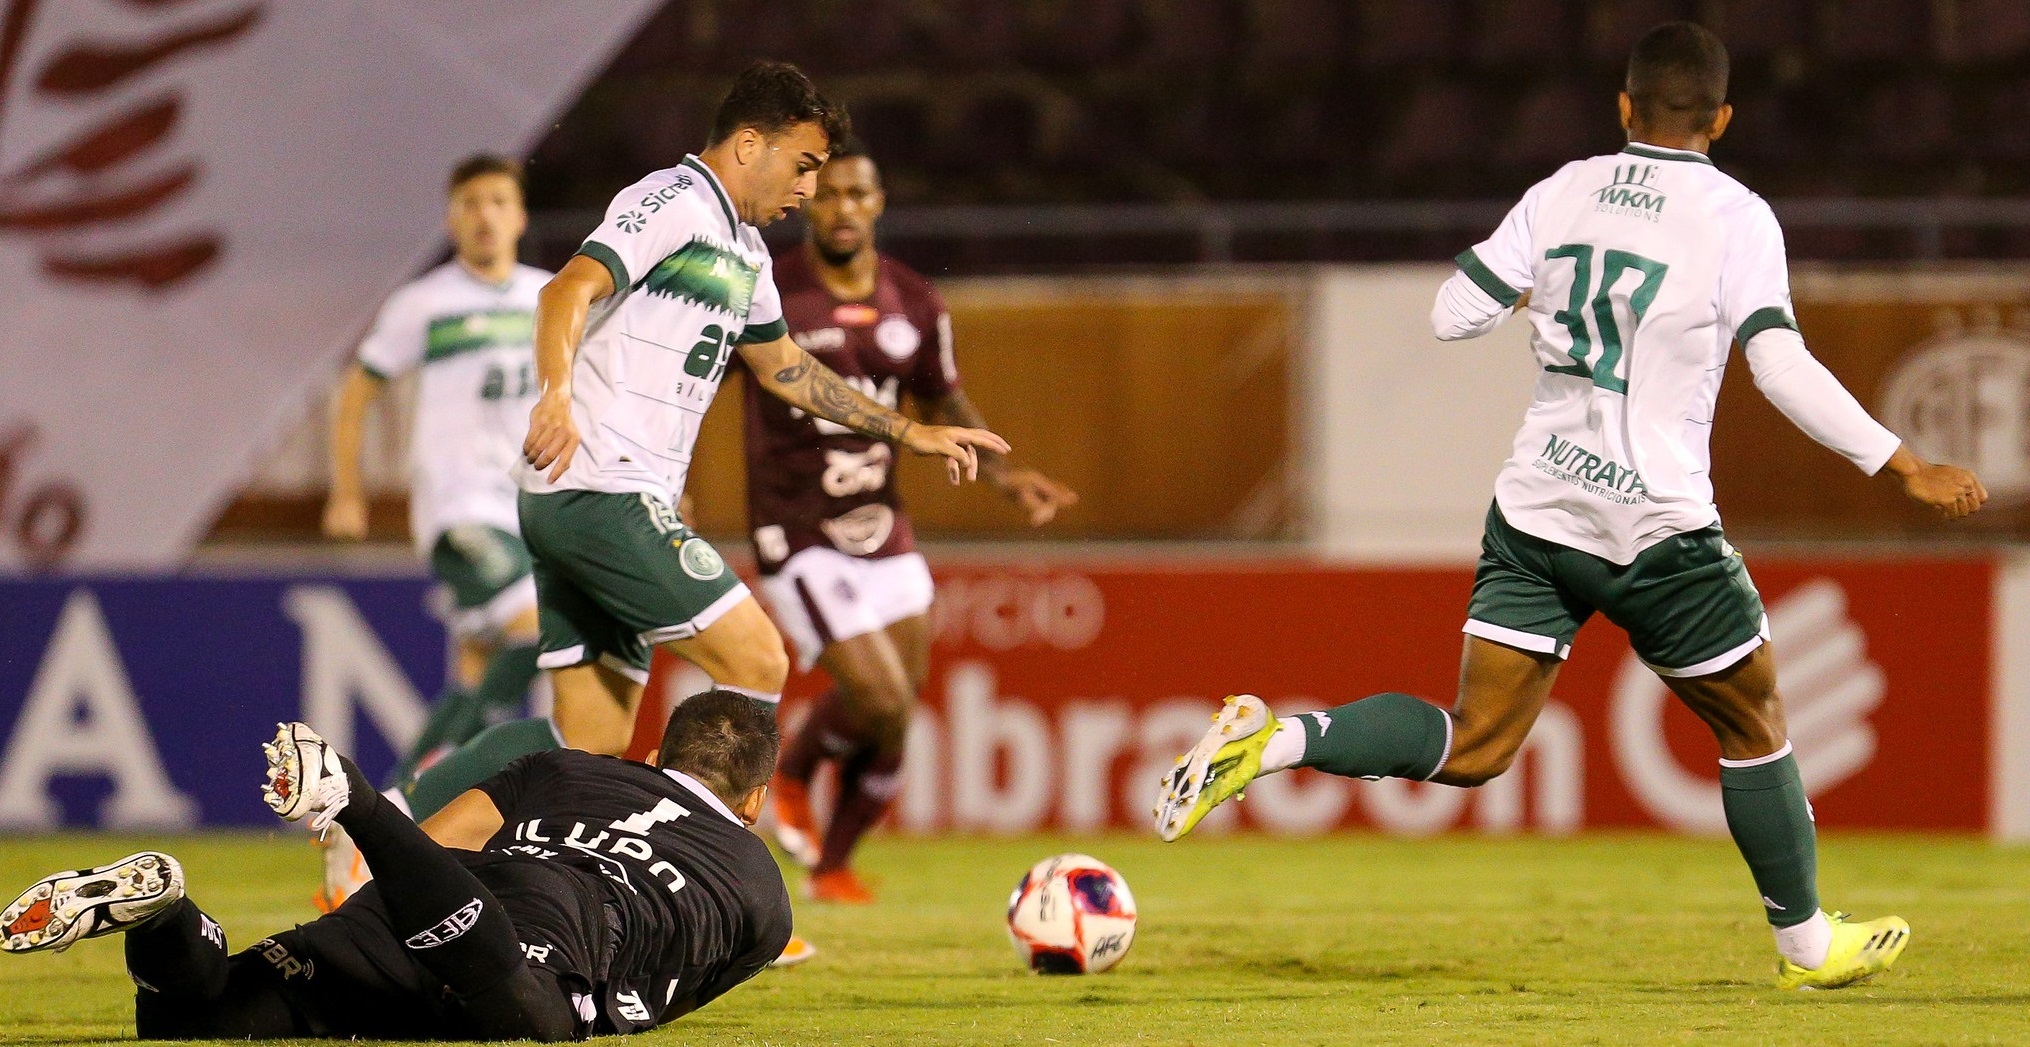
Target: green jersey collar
x=1657, y=152
x=732, y=222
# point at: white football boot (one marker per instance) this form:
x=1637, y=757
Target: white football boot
x=68, y=907
x=305, y=778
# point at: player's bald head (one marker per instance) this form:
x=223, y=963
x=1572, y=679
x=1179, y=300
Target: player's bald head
x=726, y=740
x=1677, y=78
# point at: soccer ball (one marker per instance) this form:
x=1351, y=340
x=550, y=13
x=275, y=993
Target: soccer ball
x=1071, y=914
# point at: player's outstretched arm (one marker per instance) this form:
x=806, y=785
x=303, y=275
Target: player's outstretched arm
x=1949, y=490
x=796, y=377
x=1039, y=496
x=345, y=509
x=561, y=309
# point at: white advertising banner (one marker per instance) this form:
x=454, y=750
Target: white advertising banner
x=1404, y=433
x=201, y=203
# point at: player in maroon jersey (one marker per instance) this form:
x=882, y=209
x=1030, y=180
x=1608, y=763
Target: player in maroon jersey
x=838, y=558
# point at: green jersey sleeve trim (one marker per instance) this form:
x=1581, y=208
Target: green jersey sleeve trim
x=1484, y=278
x=1762, y=320
x=767, y=332
x=371, y=371
x=607, y=257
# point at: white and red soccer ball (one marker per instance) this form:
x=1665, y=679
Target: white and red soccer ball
x=1071, y=914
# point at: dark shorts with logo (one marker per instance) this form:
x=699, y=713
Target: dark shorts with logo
x=617, y=574
x=1687, y=602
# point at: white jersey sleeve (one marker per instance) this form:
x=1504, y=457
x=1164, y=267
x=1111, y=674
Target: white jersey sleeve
x=1815, y=401
x=765, y=321
x=1493, y=276
x=1755, y=305
x=399, y=337
x=1754, y=273
x=641, y=228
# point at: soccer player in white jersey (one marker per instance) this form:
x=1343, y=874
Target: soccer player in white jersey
x=632, y=340
x=1637, y=272
x=466, y=327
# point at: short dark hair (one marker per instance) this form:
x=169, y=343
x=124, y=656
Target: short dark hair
x=726, y=740
x=848, y=147
x=1677, y=77
x=484, y=164
x=772, y=96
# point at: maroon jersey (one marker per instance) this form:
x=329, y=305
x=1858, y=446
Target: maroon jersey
x=811, y=482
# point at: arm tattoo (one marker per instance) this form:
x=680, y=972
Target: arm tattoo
x=819, y=390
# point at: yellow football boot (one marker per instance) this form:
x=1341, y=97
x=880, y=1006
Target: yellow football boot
x=1860, y=951
x=1218, y=767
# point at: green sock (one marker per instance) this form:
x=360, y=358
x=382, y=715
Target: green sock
x=455, y=716
x=1388, y=735
x=487, y=754
x=1772, y=825
x=504, y=689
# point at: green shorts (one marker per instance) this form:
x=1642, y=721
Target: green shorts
x=483, y=574
x=1686, y=602
x=617, y=574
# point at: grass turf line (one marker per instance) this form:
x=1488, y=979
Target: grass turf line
x=1636, y=939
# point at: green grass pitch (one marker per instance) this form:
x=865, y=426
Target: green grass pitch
x=1635, y=939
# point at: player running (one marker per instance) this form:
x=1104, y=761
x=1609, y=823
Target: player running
x=632, y=338
x=466, y=327
x=1637, y=270
x=592, y=896
x=837, y=555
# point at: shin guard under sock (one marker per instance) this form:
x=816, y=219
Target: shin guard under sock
x=180, y=953
x=486, y=755
x=1387, y=735
x=1771, y=822
x=867, y=786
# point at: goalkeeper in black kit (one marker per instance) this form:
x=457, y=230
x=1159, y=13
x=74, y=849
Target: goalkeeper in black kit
x=571, y=895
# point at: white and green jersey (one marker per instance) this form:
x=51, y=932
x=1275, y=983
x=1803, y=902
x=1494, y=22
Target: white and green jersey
x=690, y=283
x=1642, y=268
x=472, y=343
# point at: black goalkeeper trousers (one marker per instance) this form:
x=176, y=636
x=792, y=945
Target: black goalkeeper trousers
x=273, y=991
x=434, y=913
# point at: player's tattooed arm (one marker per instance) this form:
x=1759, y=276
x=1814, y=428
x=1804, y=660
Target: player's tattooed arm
x=818, y=389
x=793, y=375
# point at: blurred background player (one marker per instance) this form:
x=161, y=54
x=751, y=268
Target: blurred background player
x=837, y=555
x=472, y=930
x=466, y=326
x=1607, y=502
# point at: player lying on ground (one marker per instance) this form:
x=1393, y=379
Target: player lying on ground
x=572, y=895
x=466, y=328
x=837, y=553
x=1607, y=502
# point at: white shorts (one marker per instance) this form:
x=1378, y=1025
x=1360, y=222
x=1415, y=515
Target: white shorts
x=822, y=596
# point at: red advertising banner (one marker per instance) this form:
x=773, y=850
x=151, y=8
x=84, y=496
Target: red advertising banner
x=1058, y=696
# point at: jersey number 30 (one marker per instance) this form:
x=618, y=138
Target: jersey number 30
x=1603, y=301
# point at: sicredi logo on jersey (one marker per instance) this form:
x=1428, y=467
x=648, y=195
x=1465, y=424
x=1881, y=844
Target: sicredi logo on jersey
x=1633, y=192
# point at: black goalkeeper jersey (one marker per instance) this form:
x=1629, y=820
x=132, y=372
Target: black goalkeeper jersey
x=693, y=902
